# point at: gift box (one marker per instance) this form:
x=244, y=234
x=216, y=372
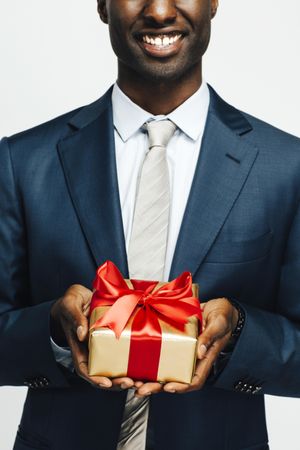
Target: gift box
x=146, y=330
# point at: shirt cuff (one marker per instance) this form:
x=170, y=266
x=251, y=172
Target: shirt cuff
x=62, y=355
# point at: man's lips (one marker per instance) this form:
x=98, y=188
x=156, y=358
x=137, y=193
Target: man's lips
x=162, y=44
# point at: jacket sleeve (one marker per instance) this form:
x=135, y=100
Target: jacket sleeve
x=25, y=347
x=266, y=358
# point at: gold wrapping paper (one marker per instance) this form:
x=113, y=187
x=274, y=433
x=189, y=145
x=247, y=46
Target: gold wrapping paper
x=108, y=356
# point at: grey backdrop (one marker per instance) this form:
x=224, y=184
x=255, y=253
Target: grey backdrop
x=56, y=56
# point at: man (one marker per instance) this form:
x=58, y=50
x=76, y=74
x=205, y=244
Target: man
x=70, y=195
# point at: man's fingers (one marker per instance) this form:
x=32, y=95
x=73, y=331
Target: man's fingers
x=205, y=341
x=82, y=291
x=82, y=330
x=202, y=371
x=81, y=313
x=101, y=382
x=75, y=309
x=80, y=359
x=79, y=352
x=148, y=388
x=202, y=349
x=78, y=295
x=215, y=330
x=123, y=382
x=75, y=324
x=79, y=322
x=177, y=388
x=86, y=309
x=204, y=366
x=86, y=301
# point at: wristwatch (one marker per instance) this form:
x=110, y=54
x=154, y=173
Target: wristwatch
x=241, y=320
x=235, y=334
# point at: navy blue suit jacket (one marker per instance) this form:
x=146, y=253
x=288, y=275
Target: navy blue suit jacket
x=61, y=218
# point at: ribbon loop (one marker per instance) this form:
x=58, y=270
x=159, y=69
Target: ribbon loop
x=173, y=301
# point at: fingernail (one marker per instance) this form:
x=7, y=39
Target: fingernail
x=139, y=395
x=202, y=351
x=80, y=332
x=170, y=389
x=104, y=384
x=124, y=386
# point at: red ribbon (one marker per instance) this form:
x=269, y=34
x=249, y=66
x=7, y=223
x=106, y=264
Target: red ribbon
x=173, y=303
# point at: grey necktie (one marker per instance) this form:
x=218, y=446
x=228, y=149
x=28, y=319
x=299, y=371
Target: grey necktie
x=146, y=255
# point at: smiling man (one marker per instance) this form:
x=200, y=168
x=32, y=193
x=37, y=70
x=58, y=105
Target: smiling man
x=160, y=176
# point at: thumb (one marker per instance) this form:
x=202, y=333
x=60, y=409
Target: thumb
x=81, y=333
x=206, y=339
x=80, y=325
x=84, y=296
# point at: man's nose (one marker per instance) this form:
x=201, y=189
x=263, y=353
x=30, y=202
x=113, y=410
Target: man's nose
x=160, y=12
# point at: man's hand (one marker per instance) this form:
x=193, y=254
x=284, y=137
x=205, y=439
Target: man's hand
x=219, y=320
x=69, y=326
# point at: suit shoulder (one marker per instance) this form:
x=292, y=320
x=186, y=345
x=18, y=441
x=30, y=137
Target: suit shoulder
x=251, y=128
x=266, y=133
x=47, y=134
x=52, y=129
x=279, y=154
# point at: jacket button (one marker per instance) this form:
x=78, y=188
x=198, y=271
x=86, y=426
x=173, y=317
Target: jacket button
x=256, y=389
x=248, y=388
x=43, y=381
x=238, y=386
x=37, y=382
x=244, y=387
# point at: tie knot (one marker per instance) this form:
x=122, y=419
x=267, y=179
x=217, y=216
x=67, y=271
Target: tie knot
x=160, y=132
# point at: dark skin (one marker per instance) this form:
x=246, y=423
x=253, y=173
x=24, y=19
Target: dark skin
x=158, y=84
x=158, y=78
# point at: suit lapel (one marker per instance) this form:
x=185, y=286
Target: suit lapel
x=224, y=164
x=88, y=160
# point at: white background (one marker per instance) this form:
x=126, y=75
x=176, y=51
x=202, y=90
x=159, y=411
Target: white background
x=55, y=56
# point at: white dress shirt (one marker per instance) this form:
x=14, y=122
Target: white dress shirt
x=131, y=145
x=182, y=155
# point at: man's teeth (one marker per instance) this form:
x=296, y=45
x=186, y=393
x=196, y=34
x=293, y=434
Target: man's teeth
x=163, y=41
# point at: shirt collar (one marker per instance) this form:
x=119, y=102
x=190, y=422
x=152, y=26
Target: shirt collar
x=190, y=116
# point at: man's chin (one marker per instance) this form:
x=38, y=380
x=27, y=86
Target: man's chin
x=161, y=72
